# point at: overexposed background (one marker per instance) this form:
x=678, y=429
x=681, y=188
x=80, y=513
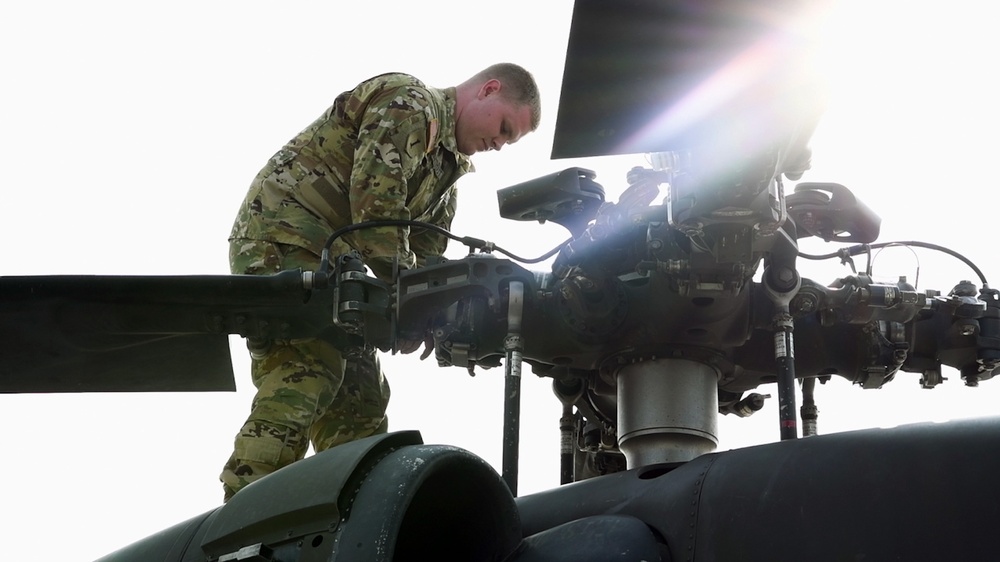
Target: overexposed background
x=129, y=132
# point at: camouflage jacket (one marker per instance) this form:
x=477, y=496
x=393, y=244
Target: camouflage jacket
x=384, y=150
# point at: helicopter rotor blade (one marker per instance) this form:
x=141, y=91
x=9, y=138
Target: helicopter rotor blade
x=77, y=333
x=646, y=76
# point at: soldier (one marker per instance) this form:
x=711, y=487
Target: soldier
x=391, y=148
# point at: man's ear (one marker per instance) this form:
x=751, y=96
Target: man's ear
x=490, y=87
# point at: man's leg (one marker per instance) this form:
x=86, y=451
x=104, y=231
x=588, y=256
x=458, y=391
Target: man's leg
x=296, y=382
x=358, y=409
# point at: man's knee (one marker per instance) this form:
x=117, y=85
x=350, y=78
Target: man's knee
x=296, y=383
x=357, y=411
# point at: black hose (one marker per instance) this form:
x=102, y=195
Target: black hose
x=324, y=267
x=862, y=248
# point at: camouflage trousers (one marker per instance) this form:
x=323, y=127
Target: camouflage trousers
x=306, y=391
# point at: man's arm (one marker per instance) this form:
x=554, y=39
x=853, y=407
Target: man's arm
x=391, y=144
x=425, y=242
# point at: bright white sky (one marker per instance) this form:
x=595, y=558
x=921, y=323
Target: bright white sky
x=129, y=132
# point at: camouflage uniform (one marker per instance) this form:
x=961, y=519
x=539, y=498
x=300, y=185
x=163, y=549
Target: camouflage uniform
x=384, y=150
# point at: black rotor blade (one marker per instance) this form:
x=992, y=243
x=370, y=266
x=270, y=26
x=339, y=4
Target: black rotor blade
x=646, y=76
x=144, y=333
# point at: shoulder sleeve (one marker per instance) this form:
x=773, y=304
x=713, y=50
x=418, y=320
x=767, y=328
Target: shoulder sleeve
x=392, y=142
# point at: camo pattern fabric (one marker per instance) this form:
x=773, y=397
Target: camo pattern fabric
x=306, y=391
x=384, y=150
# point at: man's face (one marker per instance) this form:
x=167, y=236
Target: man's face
x=489, y=122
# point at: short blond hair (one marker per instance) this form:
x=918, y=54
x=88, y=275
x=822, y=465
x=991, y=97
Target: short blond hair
x=519, y=87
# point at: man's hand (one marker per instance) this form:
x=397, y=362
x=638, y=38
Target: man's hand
x=409, y=346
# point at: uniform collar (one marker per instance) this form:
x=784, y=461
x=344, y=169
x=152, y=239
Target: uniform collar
x=447, y=128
